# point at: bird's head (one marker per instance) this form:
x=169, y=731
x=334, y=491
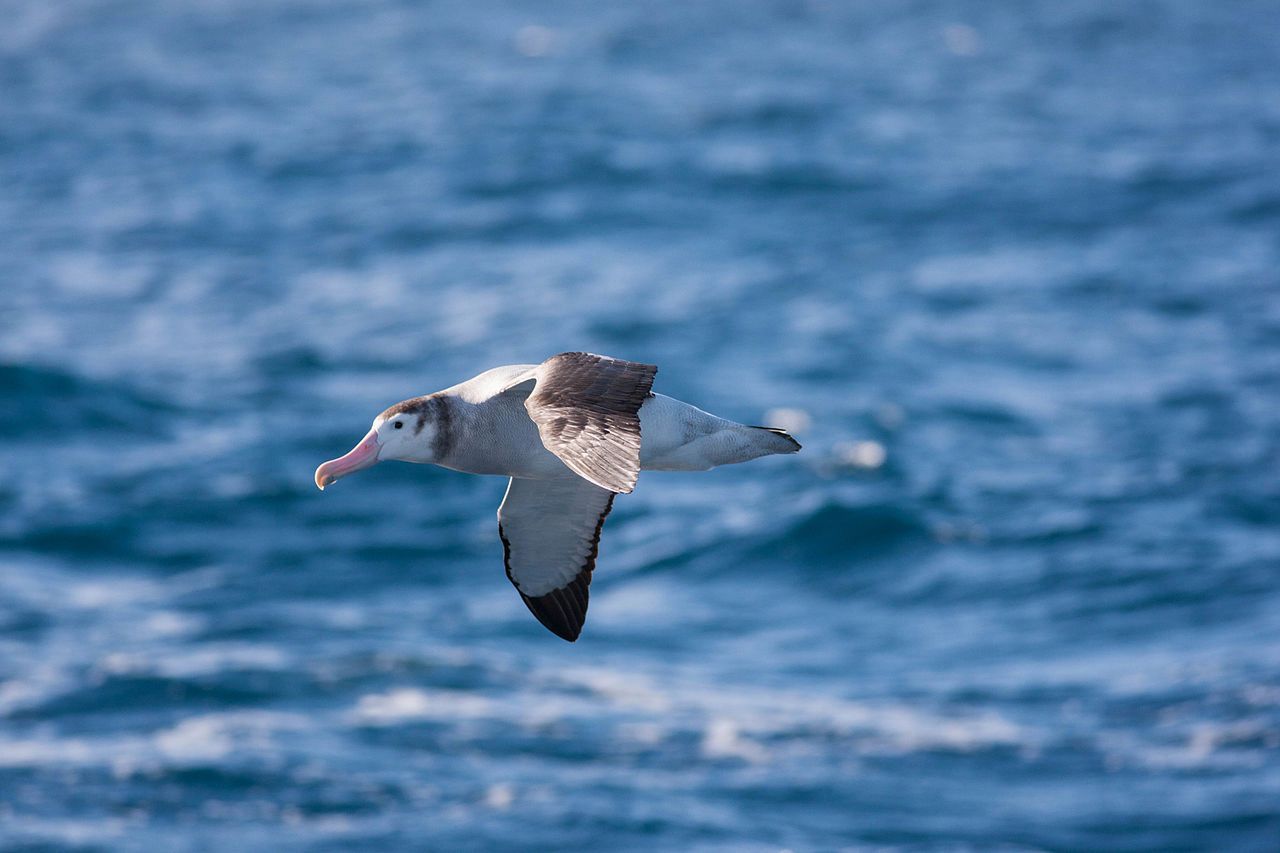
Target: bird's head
x=408, y=431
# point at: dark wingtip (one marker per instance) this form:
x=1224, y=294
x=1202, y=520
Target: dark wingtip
x=569, y=637
x=782, y=432
x=563, y=612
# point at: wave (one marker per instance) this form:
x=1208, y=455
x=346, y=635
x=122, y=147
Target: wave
x=39, y=397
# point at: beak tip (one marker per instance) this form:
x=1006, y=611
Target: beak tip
x=361, y=456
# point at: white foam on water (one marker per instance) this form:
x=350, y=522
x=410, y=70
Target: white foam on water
x=189, y=662
x=115, y=592
x=631, y=691
x=737, y=721
x=793, y=420
x=16, y=693
x=723, y=739
x=169, y=624
x=753, y=724
x=68, y=831
x=861, y=454
x=407, y=704
x=1201, y=745
x=195, y=740
x=647, y=601
x=210, y=737
x=499, y=796
x=40, y=752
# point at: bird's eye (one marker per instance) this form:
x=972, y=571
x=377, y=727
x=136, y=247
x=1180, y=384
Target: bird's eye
x=399, y=424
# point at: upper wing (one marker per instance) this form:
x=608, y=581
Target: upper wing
x=550, y=532
x=493, y=382
x=586, y=407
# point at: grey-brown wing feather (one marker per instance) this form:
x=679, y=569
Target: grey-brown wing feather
x=587, y=409
x=550, y=531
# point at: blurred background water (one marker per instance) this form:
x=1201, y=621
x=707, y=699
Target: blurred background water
x=1009, y=269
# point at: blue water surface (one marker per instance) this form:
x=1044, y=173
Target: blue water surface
x=1011, y=271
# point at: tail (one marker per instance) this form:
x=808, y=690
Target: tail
x=787, y=444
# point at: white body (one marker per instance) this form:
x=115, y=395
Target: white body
x=499, y=438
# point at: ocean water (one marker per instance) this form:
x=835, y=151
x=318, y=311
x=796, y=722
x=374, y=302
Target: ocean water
x=1011, y=271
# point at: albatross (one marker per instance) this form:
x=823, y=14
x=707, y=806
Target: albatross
x=571, y=433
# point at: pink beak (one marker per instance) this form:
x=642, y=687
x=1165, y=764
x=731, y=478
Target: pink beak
x=362, y=456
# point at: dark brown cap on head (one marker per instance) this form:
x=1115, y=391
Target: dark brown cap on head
x=415, y=406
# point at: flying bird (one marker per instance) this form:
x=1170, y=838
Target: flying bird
x=571, y=433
